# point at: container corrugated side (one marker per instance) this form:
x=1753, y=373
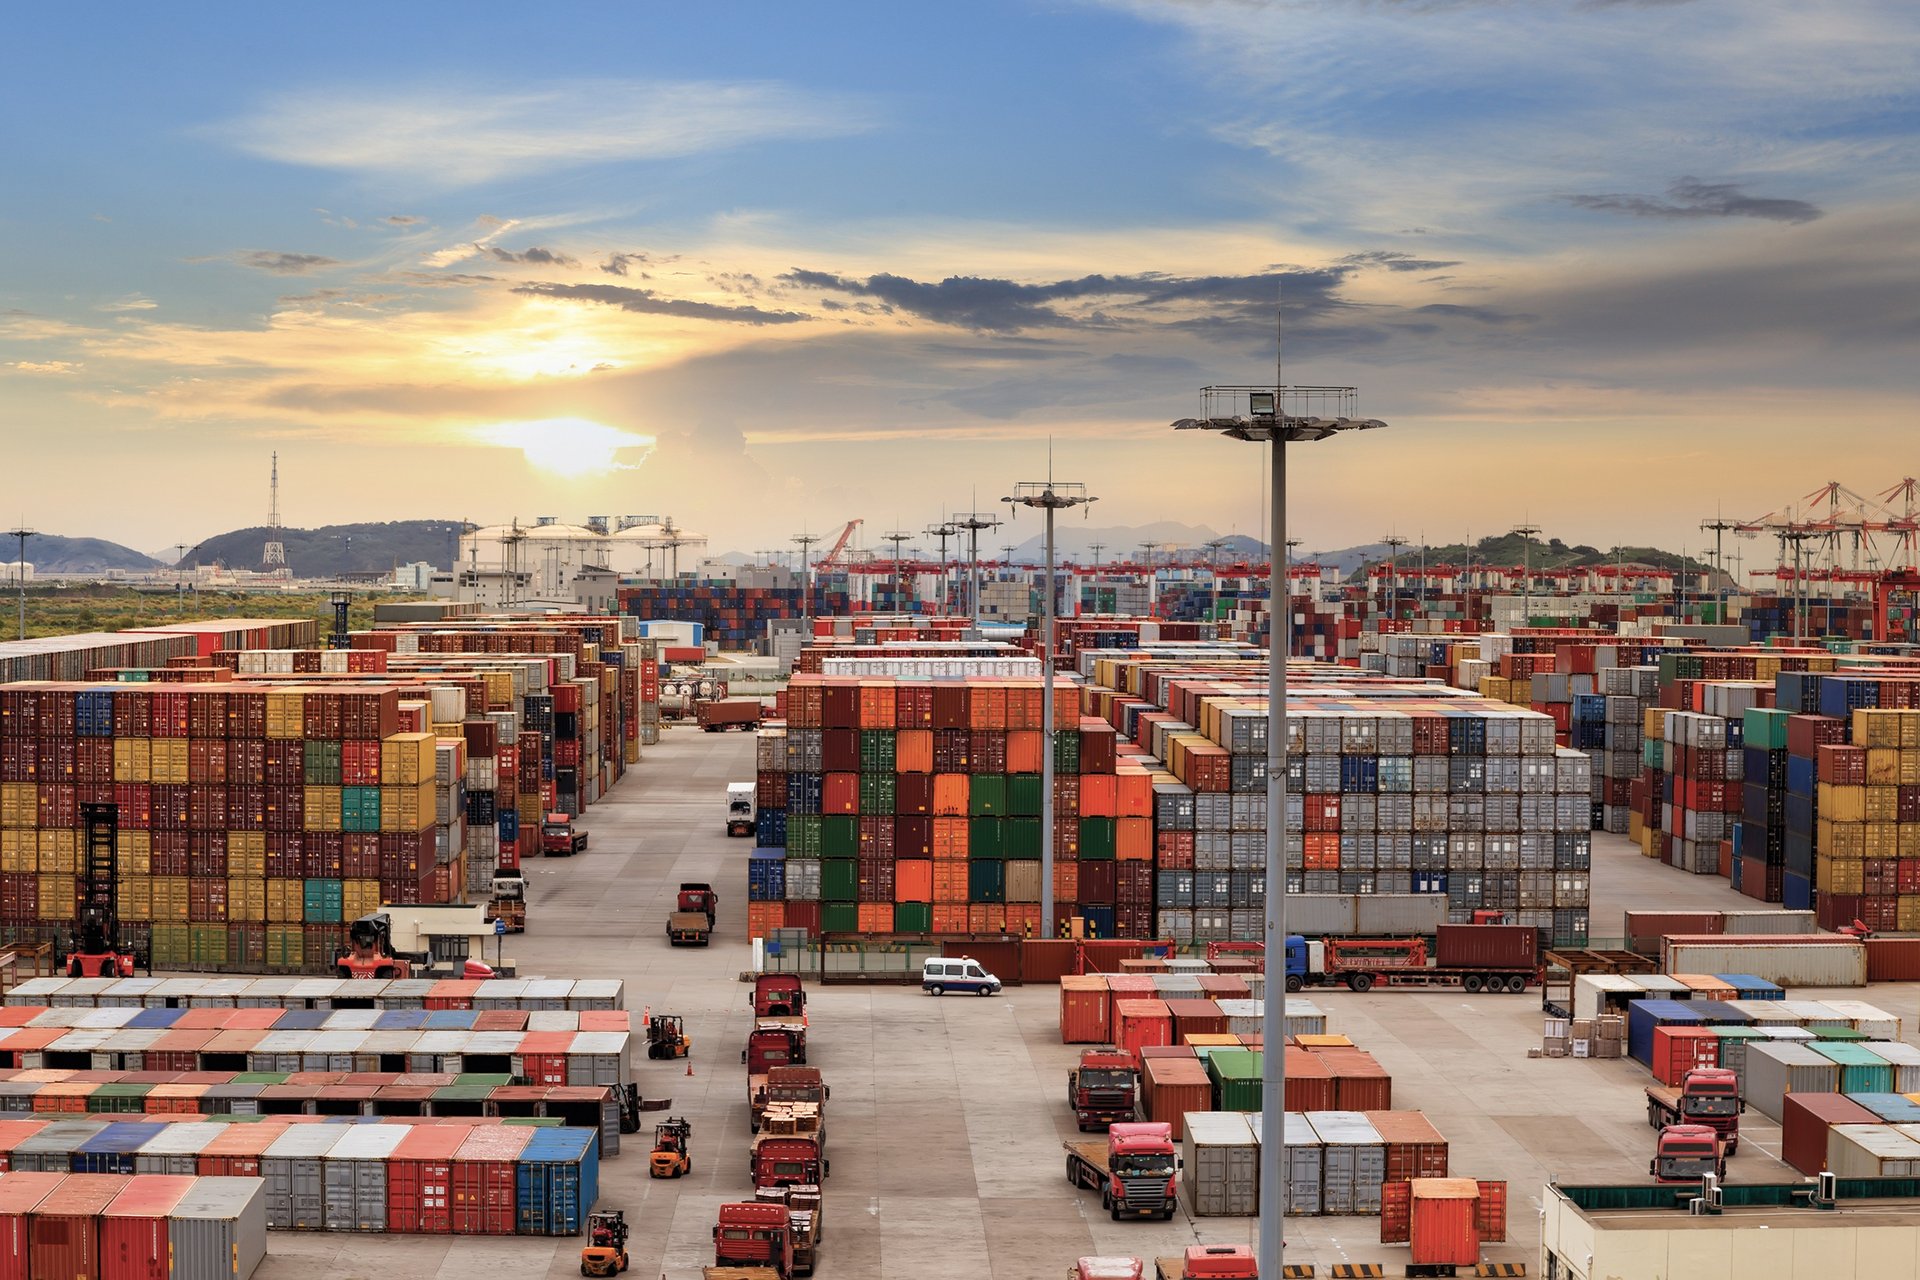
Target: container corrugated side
x=135, y=1235
x=1221, y=1155
x=1805, y=1119
x=1084, y=1004
x=1354, y=1163
x=1871, y=1151
x=219, y=1229
x=1775, y=1069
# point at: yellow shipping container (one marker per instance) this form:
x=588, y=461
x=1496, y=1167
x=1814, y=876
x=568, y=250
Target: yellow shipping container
x=1881, y=841
x=19, y=852
x=1876, y=728
x=1909, y=775
x=407, y=808
x=19, y=804
x=132, y=760
x=360, y=897
x=499, y=689
x=1909, y=917
x=136, y=853
x=1909, y=839
x=284, y=714
x=1883, y=766
x=406, y=760
x=60, y=852
x=1840, y=876
x=59, y=897
x=169, y=899
x=1840, y=840
x=1883, y=804
x=247, y=897
x=247, y=855
x=322, y=809
x=1839, y=803
x=168, y=761
x=286, y=900
x=136, y=898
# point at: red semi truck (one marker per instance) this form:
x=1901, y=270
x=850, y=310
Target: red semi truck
x=559, y=838
x=1687, y=1153
x=1473, y=957
x=1133, y=1170
x=1199, y=1262
x=759, y=1239
x=1708, y=1096
x=1103, y=1088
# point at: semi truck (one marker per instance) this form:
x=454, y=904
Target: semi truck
x=689, y=929
x=1687, y=1153
x=559, y=838
x=788, y=1085
x=806, y=1219
x=1133, y=1170
x=770, y=1050
x=785, y=1160
x=1708, y=1096
x=1105, y=1087
x=697, y=895
x=758, y=1239
x=1473, y=957
x=740, y=809
x=727, y=713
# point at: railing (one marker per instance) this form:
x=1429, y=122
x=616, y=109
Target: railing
x=37, y=960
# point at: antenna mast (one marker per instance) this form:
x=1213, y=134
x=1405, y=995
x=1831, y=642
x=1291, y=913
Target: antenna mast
x=274, y=558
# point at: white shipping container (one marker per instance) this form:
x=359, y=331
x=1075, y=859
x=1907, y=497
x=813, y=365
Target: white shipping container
x=1905, y=1060
x=1819, y=964
x=1875, y=1022
x=1871, y=1151
x=1222, y=1164
x=1766, y=922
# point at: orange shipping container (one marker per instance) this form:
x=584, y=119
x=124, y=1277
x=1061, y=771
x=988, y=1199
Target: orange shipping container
x=1083, y=1009
x=1066, y=881
x=841, y=794
x=1133, y=840
x=987, y=707
x=876, y=917
x=949, y=882
x=950, y=838
x=1135, y=793
x=1023, y=751
x=913, y=880
x=913, y=751
x=876, y=704
x=1171, y=1087
x=1126, y=986
x=1139, y=1023
x=1099, y=795
x=950, y=792
x=1024, y=703
x=1023, y=919
x=949, y=917
x=986, y=917
x=1415, y=1148
x=764, y=917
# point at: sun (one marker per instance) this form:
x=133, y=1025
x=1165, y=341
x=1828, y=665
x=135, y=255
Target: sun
x=570, y=447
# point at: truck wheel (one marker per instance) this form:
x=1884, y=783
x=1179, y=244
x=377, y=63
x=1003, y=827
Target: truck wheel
x=936, y=990
x=1168, y=1215
x=1516, y=984
x=1114, y=1213
x=1293, y=983
x=1472, y=984
x=1106, y=1201
x=1073, y=1174
x=1361, y=982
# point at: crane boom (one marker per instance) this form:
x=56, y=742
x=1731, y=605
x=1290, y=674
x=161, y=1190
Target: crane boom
x=839, y=544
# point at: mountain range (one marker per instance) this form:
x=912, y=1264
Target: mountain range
x=335, y=549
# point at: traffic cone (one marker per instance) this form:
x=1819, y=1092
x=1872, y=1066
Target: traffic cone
x=689, y=1064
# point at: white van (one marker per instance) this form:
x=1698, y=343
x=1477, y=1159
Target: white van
x=741, y=810
x=937, y=977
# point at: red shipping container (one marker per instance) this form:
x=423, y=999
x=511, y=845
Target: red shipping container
x=1125, y=986
x=1309, y=1082
x=1804, y=1121
x=483, y=1180
x=1138, y=1023
x=20, y=1194
x=1195, y=1017
x=420, y=1179
x=133, y=1229
x=1415, y=1148
x=1083, y=1009
x=1359, y=1082
x=64, y=1231
x=1173, y=1086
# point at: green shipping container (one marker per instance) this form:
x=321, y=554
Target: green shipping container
x=113, y=1098
x=803, y=835
x=1765, y=727
x=912, y=917
x=1023, y=795
x=207, y=943
x=839, y=917
x=877, y=794
x=1021, y=837
x=839, y=836
x=1096, y=839
x=322, y=761
x=324, y=902
x=987, y=795
x=360, y=808
x=876, y=751
x=171, y=948
x=286, y=947
x=260, y=1077
x=1236, y=1079
x=1066, y=751
x=839, y=880
x=986, y=839
x=986, y=882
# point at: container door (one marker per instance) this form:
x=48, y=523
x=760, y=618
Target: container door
x=1396, y=1212
x=1490, y=1213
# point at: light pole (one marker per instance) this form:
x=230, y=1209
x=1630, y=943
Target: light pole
x=1286, y=595
x=1393, y=542
x=1526, y=532
x=20, y=570
x=973, y=522
x=1276, y=416
x=1050, y=496
x=806, y=541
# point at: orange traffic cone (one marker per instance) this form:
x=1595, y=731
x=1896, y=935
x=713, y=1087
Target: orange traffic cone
x=689, y=1064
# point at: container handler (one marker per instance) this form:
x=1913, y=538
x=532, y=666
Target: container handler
x=758, y=1238
x=698, y=896
x=667, y=1037
x=672, y=1154
x=1687, y=1153
x=559, y=838
x=605, y=1253
x=1133, y=1170
x=1104, y=1088
x=806, y=1219
x=1473, y=957
x=96, y=951
x=1708, y=1096
x=369, y=950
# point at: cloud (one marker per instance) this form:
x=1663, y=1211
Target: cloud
x=1394, y=261
x=1692, y=198
x=47, y=366
x=617, y=264
x=647, y=302
x=132, y=302
x=402, y=220
x=286, y=264
x=535, y=256
x=460, y=136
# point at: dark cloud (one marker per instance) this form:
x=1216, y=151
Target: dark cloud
x=617, y=264
x=445, y=279
x=1486, y=315
x=1394, y=261
x=534, y=256
x=1692, y=198
x=286, y=264
x=647, y=302
x=402, y=220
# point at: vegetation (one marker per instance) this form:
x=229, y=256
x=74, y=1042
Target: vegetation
x=56, y=610
x=337, y=548
x=1508, y=549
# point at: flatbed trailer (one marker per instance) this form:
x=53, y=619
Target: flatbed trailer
x=689, y=928
x=1141, y=1195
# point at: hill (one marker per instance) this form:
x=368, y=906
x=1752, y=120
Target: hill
x=1508, y=549
x=337, y=548
x=52, y=555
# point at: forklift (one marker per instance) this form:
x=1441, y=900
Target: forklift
x=666, y=1036
x=369, y=950
x=671, y=1156
x=96, y=951
x=606, y=1250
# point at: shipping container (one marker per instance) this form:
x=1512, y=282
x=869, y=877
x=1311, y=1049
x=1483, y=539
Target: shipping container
x=1804, y=1121
x=219, y=1229
x=1083, y=1009
x=64, y=1231
x=484, y=1180
x=136, y=1228
x=420, y=1179
x=354, y=1171
x=1820, y=960
x=292, y=1166
x=557, y=1182
x=1171, y=1087
x=1138, y=1023
x=1414, y=1148
x=20, y=1195
x=1871, y=1151
x=1305, y=1162
x=1221, y=1157
x=1355, y=1162
x=1776, y=1069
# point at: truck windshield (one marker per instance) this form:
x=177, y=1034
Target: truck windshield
x=1685, y=1168
x=555, y=829
x=1141, y=1166
x=1711, y=1106
x=1104, y=1078
x=742, y=806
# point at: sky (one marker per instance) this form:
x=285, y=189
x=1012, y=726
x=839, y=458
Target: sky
x=1603, y=266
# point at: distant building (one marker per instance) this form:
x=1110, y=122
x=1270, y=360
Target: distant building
x=413, y=577
x=596, y=589
x=17, y=571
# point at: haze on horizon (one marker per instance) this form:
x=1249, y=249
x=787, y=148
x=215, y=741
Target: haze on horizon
x=1606, y=265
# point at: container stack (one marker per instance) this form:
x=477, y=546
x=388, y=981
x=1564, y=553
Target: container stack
x=1763, y=864
x=93, y=1225
x=1699, y=783
x=732, y=615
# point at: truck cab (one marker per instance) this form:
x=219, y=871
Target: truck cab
x=698, y=896
x=1103, y=1088
x=1687, y=1153
x=740, y=809
x=785, y=1160
x=754, y=1235
x=779, y=995
x=559, y=838
x=1707, y=1096
x=1219, y=1262
x=1134, y=1170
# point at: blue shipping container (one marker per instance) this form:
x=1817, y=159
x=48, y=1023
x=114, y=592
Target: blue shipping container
x=112, y=1149
x=557, y=1181
x=155, y=1018
x=767, y=875
x=1749, y=987
x=1644, y=1015
x=450, y=1019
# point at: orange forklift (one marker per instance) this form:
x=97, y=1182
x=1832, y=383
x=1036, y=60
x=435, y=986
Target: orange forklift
x=605, y=1253
x=671, y=1157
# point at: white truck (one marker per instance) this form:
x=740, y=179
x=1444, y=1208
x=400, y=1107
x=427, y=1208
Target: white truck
x=740, y=809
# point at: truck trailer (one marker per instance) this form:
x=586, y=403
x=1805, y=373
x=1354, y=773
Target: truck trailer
x=1473, y=957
